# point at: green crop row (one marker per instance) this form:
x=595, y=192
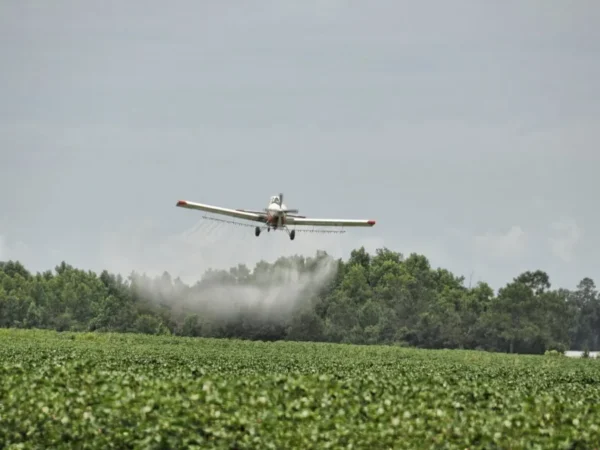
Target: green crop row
x=102, y=391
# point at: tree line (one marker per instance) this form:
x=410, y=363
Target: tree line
x=380, y=298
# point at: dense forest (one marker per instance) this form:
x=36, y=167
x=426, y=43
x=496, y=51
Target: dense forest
x=381, y=298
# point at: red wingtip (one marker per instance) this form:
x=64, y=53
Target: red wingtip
x=181, y=203
x=371, y=222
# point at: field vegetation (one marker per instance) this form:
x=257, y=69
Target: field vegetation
x=109, y=390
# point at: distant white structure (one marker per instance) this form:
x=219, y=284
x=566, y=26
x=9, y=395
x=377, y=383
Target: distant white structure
x=579, y=354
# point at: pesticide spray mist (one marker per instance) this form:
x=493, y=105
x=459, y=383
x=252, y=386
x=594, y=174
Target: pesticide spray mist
x=273, y=294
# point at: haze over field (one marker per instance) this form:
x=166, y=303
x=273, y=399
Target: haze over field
x=274, y=296
x=466, y=129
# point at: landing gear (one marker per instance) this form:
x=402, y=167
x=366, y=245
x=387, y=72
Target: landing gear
x=291, y=233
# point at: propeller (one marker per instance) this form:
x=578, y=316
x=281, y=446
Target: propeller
x=293, y=211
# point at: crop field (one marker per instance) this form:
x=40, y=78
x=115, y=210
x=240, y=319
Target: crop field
x=101, y=391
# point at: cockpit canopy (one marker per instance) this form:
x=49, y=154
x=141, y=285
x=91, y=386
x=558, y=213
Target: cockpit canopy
x=275, y=199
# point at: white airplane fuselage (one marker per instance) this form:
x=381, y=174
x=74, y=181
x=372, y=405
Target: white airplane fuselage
x=276, y=212
x=275, y=209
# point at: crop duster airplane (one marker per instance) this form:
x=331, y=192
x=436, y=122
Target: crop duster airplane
x=276, y=216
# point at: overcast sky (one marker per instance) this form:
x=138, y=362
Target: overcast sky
x=469, y=130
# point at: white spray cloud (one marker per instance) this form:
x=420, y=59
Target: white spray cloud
x=187, y=257
x=272, y=295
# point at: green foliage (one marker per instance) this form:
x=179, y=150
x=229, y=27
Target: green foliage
x=385, y=298
x=107, y=390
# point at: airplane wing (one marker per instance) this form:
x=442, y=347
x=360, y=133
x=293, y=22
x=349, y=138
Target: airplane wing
x=247, y=215
x=329, y=222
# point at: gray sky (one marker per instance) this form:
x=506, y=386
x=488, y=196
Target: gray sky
x=467, y=129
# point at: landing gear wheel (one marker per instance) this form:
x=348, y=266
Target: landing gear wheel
x=292, y=234
x=257, y=231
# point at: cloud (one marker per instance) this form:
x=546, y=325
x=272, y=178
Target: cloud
x=567, y=235
x=502, y=245
x=15, y=250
